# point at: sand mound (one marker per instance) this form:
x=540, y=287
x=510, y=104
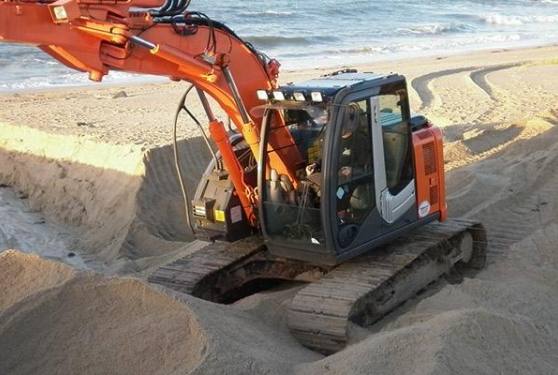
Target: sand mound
x=242, y=343
x=22, y=275
x=91, y=325
x=474, y=341
x=82, y=323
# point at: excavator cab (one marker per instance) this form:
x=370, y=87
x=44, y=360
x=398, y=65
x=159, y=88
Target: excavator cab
x=357, y=187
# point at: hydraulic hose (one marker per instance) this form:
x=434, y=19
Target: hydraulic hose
x=178, y=162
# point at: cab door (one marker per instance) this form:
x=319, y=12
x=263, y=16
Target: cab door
x=372, y=187
x=391, y=145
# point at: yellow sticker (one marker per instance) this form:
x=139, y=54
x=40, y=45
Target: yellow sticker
x=219, y=215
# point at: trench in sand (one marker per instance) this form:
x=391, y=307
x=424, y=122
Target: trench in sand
x=502, y=321
x=120, y=204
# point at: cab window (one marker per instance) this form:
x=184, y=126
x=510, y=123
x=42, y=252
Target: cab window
x=396, y=138
x=355, y=175
x=292, y=213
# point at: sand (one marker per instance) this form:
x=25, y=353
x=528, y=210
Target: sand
x=98, y=170
x=55, y=320
x=28, y=230
x=126, y=328
x=121, y=200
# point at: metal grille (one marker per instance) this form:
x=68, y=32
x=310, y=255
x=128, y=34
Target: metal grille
x=429, y=158
x=434, y=195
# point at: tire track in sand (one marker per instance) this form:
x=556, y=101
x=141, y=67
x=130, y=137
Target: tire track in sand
x=517, y=217
x=421, y=84
x=524, y=208
x=479, y=78
x=487, y=123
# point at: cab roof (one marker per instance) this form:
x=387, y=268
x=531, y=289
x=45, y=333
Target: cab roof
x=332, y=83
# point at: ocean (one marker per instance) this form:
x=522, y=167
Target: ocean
x=327, y=33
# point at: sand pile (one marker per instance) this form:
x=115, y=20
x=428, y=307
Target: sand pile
x=56, y=321
x=23, y=275
x=60, y=322
x=468, y=341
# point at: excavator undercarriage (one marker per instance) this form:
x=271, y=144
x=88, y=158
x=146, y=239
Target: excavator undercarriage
x=360, y=291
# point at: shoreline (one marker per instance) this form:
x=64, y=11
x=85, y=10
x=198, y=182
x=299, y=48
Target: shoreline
x=143, y=117
x=393, y=58
x=403, y=56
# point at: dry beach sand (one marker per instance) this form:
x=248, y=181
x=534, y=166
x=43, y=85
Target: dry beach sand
x=90, y=171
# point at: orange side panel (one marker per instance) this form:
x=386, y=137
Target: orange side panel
x=429, y=169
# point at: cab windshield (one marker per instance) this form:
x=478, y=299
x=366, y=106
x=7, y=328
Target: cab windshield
x=307, y=126
x=292, y=214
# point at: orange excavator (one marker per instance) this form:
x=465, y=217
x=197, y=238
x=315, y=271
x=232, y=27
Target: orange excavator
x=330, y=182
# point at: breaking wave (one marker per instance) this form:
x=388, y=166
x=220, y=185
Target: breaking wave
x=507, y=20
x=266, y=13
x=435, y=28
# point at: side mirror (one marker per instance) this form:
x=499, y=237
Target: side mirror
x=418, y=122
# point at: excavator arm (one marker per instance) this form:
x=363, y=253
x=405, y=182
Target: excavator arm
x=147, y=37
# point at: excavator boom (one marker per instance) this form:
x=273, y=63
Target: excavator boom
x=97, y=36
